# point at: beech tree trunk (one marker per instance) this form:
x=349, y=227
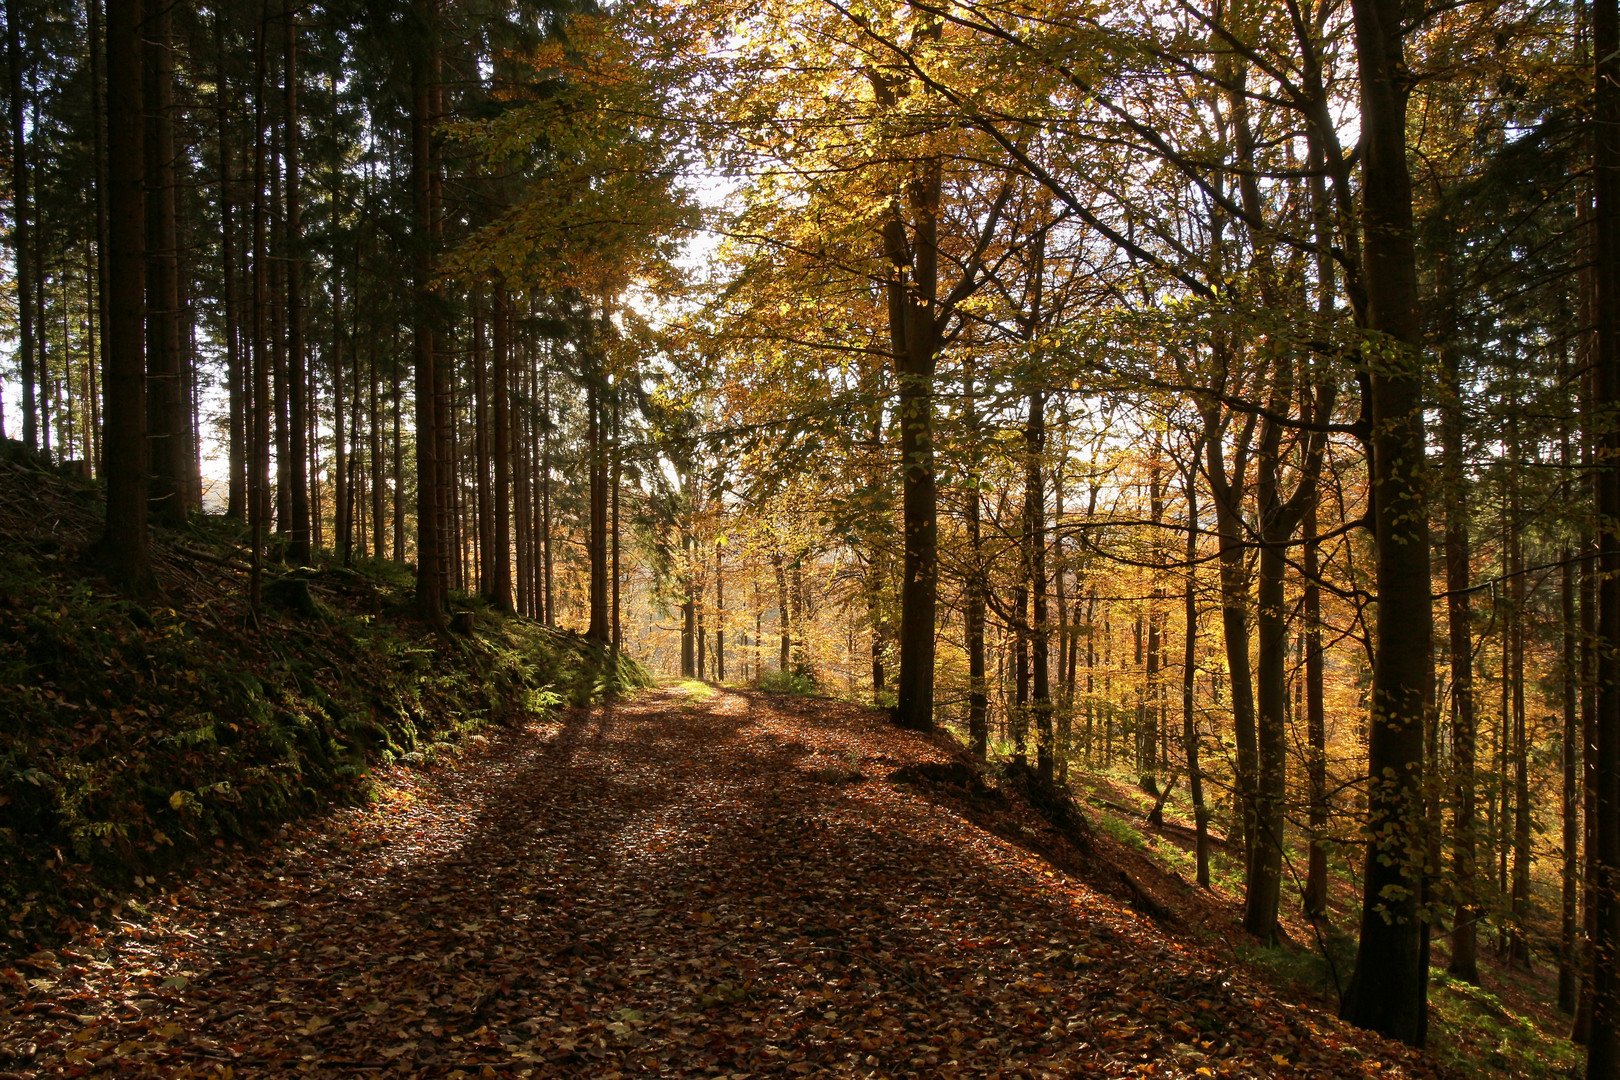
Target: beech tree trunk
x=1389, y=990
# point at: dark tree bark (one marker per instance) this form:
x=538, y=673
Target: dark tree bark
x=123, y=548
x=167, y=411
x=501, y=566
x=259, y=467
x=483, y=449
x=1035, y=510
x=1518, y=943
x=1189, y=671
x=1389, y=990
x=1226, y=488
x=974, y=601
x=1464, y=962
x=430, y=597
x=1569, y=938
x=236, y=376
x=1603, y=1048
x=21, y=236
x=596, y=448
x=298, y=529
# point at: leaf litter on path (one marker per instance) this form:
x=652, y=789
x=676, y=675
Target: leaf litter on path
x=658, y=887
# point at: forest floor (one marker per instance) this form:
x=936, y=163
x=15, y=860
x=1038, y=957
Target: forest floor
x=686, y=883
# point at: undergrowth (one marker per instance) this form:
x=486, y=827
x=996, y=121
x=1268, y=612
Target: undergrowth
x=139, y=732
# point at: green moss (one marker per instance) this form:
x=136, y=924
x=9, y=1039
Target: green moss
x=138, y=733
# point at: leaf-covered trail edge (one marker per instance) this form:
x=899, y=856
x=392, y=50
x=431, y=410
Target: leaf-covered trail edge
x=664, y=886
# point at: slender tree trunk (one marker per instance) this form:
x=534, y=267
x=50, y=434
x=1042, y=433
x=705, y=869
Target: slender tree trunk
x=483, y=449
x=615, y=628
x=720, y=611
x=1189, y=672
x=98, y=147
x=1389, y=990
x=1519, y=945
x=973, y=624
x=429, y=581
x=545, y=501
x=259, y=469
x=21, y=239
x=298, y=532
x=1035, y=508
x=595, y=441
x=1227, y=491
x=786, y=635
x=1316, y=874
x=1569, y=939
x=689, y=663
x=235, y=377
x=1465, y=930
x=501, y=567
x=342, y=526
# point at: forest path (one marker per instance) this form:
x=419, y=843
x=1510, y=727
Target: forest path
x=676, y=885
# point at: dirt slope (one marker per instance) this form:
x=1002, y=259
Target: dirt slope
x=668, y=887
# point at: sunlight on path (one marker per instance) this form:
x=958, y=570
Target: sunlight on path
x=677, y=885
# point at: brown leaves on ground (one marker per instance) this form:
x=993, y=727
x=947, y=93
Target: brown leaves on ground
x=668, y=888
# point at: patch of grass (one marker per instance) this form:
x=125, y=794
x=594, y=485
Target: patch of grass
x=788, y=682
x=1471, y=1030
x=1120, y=830
x=695, y=689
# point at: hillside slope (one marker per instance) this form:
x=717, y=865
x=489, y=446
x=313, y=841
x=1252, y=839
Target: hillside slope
x=681, y=884
x=138, y=732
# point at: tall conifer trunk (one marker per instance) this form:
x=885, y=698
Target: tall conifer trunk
x=429, y=580
x=21, y=237
x=298, y=529
x=168, y=415
x=123, y=549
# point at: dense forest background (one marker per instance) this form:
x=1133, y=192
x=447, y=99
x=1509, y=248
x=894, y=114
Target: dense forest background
x=1216, y=393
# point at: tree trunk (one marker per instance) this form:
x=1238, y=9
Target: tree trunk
x=1389, y=990
x=1035, y=509
x=1316, y=873
x=429, y=582
x=1603, y=1052
x=599, y=631
x=914, y=335
x=259, y=467
x=21, y=239
x=298, y=530
x=123, y=549
x=1189, y=671
x=501, y=556
x=1465, y=922
x=1569, y=941
x=167, y=416
x=974, y=601
x=1518, y=943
